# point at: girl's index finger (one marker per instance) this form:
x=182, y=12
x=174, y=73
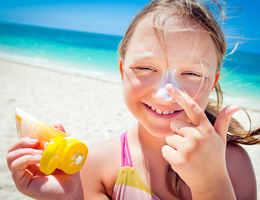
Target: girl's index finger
x=192, y=109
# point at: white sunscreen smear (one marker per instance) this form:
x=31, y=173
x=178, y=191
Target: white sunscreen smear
x=78, y=159
x=167, y=77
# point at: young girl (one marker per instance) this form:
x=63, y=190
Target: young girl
x=169, y=62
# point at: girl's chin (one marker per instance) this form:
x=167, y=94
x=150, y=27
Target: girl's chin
x=159, y=132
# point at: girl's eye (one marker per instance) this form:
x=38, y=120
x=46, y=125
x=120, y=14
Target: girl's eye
x=145, y=68
x=192, y=74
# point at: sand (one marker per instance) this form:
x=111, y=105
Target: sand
x=91, y=110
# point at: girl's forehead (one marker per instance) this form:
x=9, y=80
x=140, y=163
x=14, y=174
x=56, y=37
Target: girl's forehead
x=178, y=38
x=168, y=26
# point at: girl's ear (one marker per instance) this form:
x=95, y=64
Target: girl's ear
x=121, y=68
x=216, y=78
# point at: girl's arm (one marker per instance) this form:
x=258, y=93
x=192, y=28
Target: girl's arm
x=23, y=158
x=91, y=176
x=101, y=169
x=241, y=172
x=23, y=161
x=196, y=150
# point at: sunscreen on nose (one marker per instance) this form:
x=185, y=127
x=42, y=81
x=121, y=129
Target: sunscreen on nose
x=60, y=149
x=167, y=77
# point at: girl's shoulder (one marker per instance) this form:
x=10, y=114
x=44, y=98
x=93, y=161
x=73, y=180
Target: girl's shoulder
x=241, y=171
x=105, y=150
x=105, y=155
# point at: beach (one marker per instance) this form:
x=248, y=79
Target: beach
x=90, y=109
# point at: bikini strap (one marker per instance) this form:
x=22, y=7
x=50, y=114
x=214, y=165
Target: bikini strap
x=126, y=159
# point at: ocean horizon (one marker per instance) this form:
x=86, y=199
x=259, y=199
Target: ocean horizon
x=95, y=55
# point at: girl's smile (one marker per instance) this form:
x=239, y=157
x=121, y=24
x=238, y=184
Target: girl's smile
x=164, y=113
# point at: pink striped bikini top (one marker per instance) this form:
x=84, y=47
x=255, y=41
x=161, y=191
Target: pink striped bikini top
x=129, y=185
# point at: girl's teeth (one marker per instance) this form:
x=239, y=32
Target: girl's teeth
x=166, y=112
x=159, y=111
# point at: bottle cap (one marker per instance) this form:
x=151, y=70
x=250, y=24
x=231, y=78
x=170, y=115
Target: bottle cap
x=52, y=155
x=74, y=157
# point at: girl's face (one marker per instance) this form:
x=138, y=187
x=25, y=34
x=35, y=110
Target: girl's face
x=189, y=54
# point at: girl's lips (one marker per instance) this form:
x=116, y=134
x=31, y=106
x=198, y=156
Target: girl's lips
x=162, y=114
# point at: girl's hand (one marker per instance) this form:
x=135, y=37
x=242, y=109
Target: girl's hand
x=196, y=150
x=23, y=161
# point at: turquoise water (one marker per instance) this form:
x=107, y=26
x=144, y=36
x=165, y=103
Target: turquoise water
x=55, y=48
x=93, y=54
x=241, y=75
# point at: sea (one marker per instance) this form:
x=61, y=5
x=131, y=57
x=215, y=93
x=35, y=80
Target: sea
x=95, y=55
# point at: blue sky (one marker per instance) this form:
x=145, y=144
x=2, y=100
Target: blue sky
x=113, y=17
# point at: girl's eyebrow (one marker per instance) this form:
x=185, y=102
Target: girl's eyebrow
x=144, y=57
x=195, y=60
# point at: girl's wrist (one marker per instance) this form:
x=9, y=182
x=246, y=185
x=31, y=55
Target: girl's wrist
x=219, y=188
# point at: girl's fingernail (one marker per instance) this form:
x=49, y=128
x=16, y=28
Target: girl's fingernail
x=170, y=134
x=32, y=140
x=233, y=108
x=38, y=151
x=37, y=156
x=170, y=87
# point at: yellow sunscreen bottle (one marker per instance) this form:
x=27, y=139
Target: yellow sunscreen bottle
x=60, y=149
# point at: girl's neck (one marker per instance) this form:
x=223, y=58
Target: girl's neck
x=146, y=152
x=147, y=141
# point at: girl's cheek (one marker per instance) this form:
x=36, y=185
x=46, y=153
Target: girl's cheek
x=135, y=86
x=199, y=94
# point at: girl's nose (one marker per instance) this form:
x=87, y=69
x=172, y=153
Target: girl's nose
x=160, y=91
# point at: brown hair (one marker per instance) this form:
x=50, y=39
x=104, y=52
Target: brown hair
x=203, y=15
